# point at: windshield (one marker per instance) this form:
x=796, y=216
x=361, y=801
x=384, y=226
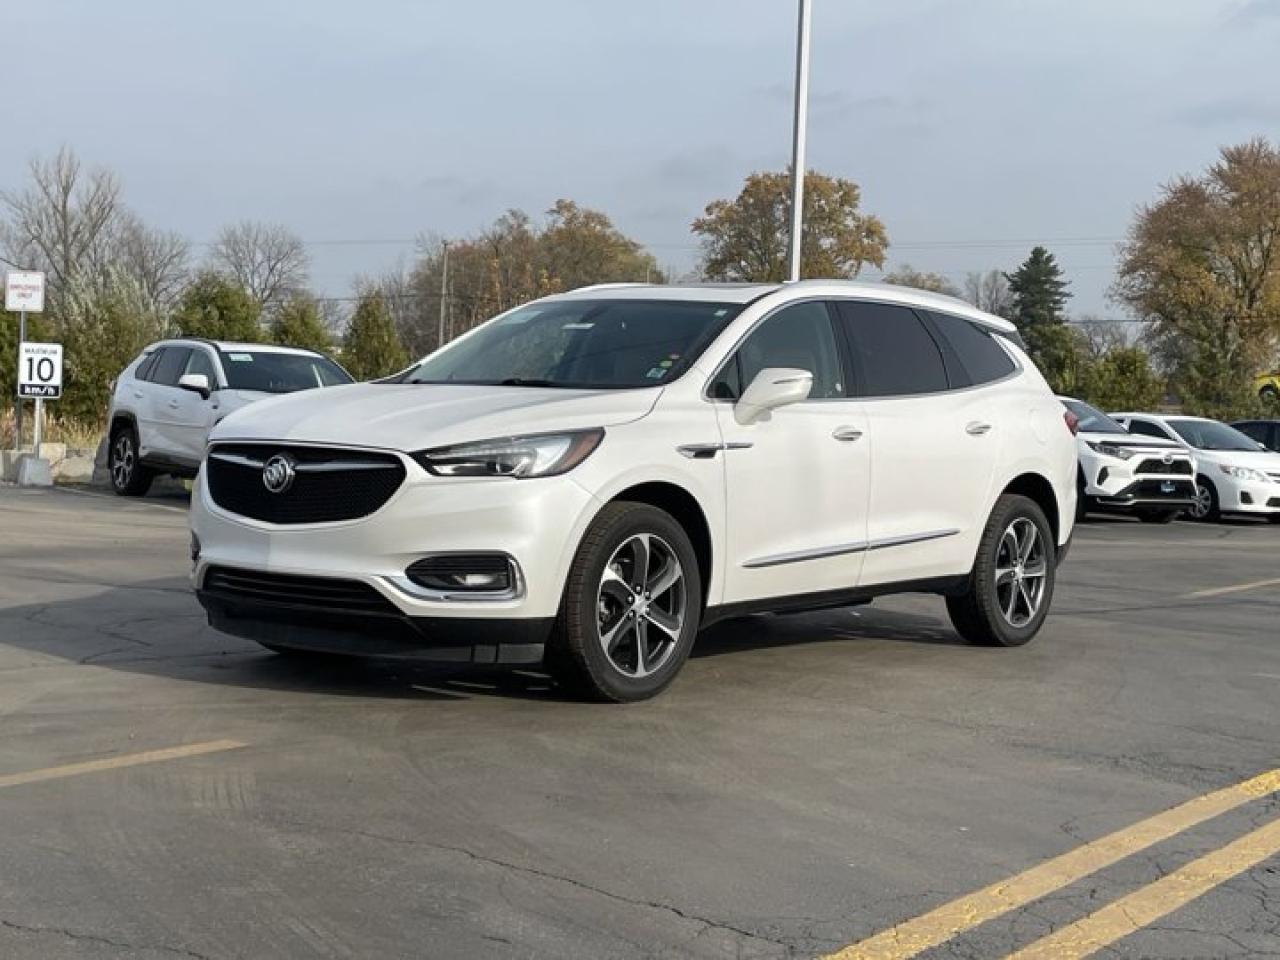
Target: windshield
x=580, y=343
x=1092, y=420
x=1211, y=435
x=270, y=372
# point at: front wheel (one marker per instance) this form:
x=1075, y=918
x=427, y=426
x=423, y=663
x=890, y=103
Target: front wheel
x=1011, y=586
x=631, y=606
x=1158, y=516
x=1206, y=508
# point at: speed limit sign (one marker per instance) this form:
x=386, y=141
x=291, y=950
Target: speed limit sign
x=40, y=370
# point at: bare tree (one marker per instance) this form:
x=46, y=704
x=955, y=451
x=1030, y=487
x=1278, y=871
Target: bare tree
x=63, y=223
x=989, y=291
x=268, y=260
x=158, y=259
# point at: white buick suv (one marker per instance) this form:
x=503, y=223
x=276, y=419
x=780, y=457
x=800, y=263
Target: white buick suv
x=588, y=480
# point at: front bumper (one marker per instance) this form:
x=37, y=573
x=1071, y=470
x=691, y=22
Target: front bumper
x=536, y=523
x=389, y=635
x=1249, y=496
x=1152, y=492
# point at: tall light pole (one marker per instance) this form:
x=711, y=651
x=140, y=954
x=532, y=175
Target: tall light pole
x=801, y=122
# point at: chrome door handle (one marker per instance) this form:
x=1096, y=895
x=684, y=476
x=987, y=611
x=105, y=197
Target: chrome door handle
x=846, y=434
x=977, y=428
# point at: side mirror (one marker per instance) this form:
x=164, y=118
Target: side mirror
x=772, y=387
x=196, y=383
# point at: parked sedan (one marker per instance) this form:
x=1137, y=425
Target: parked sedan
x=1148, y=477
x=1236, y=474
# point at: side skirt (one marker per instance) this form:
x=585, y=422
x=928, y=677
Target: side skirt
x=826, y=599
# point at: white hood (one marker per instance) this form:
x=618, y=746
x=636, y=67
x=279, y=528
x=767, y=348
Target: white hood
x=1264, y=460
x=1129, y=441
x=413, y=417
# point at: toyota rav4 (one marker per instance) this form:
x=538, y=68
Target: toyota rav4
x=587, y=480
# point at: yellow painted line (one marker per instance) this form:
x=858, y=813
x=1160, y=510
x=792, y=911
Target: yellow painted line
x=1235, y=588
x=951, y=919
x=118, y=762
x=1147, y=905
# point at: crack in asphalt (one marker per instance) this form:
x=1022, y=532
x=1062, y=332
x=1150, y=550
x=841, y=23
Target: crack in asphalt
x=706, y=922
x=95, y=938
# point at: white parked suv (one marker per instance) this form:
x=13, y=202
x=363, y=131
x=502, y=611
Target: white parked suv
x=1236, y=474
x=589, y=479
x=168, y=399
x=1150, y=478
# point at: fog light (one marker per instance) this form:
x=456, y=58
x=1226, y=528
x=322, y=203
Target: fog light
x=1102, y=476
x=1245, y=497
x=464, y=573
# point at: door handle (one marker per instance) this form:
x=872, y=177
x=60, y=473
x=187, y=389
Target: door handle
x=976, y=428
x=173, y=404
x=847, y=434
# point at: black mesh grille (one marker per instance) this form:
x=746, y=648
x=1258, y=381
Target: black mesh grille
x=1177, y=467
x=329, y=485
x=326, y=593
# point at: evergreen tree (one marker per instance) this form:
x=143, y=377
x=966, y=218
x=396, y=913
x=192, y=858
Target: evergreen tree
x=298, y=323
x=1039, y=294
x=372, y=347
x=216, y=307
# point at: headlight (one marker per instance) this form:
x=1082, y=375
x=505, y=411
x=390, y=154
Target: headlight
x=1244, y=473
x=1110, y=449
x=542, y=455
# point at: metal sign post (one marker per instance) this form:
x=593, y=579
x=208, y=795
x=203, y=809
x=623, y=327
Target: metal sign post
x=798, y=132
x=23, y=294
x=39, y=377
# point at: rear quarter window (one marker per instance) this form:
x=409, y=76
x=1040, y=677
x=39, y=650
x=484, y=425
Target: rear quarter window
x=981, y=357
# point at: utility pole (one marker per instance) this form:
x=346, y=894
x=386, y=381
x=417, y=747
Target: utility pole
x=444, y=292
x=801, y=122
x=20, y=403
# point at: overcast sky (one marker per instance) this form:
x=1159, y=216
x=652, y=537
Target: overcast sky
x=975, y=127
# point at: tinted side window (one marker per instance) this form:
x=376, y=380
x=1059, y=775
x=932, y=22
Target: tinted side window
x=798, y=336
x=894, y=353
x=146, y=366
x=982, y=358
x=169, y=367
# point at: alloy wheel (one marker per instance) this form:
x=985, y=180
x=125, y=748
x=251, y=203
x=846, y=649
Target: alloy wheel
x=122, y=461
x=1022, y=565
x=640, y=605
x=1203, y=504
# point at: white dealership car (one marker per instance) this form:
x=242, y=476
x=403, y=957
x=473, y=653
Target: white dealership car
x=168, y=399
x=1150, y=478
x=589, y=479
x=1236, y=474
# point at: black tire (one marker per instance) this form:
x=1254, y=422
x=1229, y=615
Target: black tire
x=1082, y=501
x=979, y=614
x=1157, y=516
x=129, y=478
x=296, y=653
x=1213, y=512
x=576, y=655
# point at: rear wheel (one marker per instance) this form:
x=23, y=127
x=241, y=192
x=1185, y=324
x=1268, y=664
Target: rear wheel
x=129, y=478
x=1011, y=586
x=631, y=606
x=1157, y=516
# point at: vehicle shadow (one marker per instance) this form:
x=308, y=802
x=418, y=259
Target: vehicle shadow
x=156, y=628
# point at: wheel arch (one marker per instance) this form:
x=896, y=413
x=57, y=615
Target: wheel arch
x=121, y=418
x=1037, y=488
x=688, y=512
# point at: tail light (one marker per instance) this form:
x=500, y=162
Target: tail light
x=1073, y=422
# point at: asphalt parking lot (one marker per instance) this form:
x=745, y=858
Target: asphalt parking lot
x=855, y=780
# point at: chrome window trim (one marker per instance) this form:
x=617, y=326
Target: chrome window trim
x=837, y=550
x=1001, y=341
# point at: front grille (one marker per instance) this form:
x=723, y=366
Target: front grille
x=329, y=484
x=1154, y=489
x=1176, y=467
x=317, y=593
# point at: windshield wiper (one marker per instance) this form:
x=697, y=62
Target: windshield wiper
x=526, y=382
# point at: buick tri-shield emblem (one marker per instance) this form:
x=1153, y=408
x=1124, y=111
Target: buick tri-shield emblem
x=1168, y=458
x=278, y=473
